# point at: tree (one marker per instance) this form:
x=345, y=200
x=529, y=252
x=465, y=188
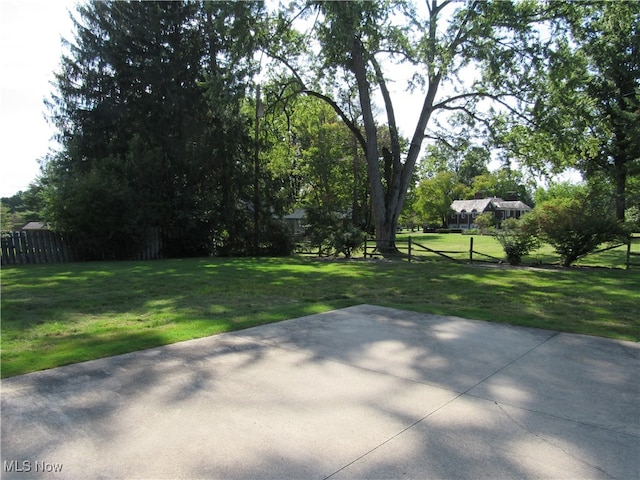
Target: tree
x=504, y=183
x=465, y=160
x=147, y=107
x=586, y=112
x=312, y=155
x=486, y=221
x=435, y=195
x=24, y=206
x=360, y=41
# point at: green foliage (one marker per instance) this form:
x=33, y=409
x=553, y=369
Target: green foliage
x=21, y=208
x=346, y=239
x=361, y=45
x=311, y=154
x=464, y=159
x=331, y=233
x=575, y=226
x=276, y=239
x=559, y=191
x=435, y=195
x=485, y=221
x=586, y=98
x=504, y=183
x=147, y=106
x=516, y=239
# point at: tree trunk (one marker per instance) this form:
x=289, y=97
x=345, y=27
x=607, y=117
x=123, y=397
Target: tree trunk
x=385, y=232
x=386, y=236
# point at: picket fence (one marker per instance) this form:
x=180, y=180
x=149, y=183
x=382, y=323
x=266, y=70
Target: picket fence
x=44, y=246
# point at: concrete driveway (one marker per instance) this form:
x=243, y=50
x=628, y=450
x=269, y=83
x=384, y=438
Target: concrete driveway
x=362, y=392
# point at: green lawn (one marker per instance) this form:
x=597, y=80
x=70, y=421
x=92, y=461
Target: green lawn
x=488, y=245
x=64, y=313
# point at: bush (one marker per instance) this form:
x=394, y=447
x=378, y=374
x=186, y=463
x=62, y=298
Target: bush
x=332, y=234
x=276, y=239
x=485, y=222
x=576, y=226
x=347, y=239
x=516, y=239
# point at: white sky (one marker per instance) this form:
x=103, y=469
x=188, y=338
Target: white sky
x=30, y=50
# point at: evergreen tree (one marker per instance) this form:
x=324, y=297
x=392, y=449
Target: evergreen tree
x=147, y=107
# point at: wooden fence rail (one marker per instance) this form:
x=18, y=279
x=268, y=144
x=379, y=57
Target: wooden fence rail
x=442, y=253
x=412, y=246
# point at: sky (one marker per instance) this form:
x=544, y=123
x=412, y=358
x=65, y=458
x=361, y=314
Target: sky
x=30, y=51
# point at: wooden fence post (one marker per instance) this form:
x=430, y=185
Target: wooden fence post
x=470, y=249
x=409, y=248
x=629, y=253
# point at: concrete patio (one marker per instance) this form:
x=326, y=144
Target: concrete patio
x=362, y=392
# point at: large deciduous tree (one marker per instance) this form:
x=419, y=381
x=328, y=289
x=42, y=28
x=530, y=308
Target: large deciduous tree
x=587, y=109
x=492, y=45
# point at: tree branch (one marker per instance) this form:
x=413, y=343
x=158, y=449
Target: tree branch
x=391, y=117
x=303, y=89
x=352, y=126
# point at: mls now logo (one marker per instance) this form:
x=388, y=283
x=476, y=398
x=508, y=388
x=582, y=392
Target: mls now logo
x=26, y=466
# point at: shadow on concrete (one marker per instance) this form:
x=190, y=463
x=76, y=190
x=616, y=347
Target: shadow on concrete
x=362, y=392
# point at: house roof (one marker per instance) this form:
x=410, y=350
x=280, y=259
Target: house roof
x=36, y=226
x=511, y=205
x=483, y=204
x=478, y=205
x=298, y=214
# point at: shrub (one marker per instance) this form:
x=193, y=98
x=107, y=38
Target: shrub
x=347, y=239
x=276, y=239
x=576, y=226
x=485, y=221
x=516, y=239
x=332, y=234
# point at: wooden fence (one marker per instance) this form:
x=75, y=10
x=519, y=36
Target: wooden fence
x=29, y=246
x=414, y=248
x=44, y=246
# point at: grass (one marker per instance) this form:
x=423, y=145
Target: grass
x=488, y=245
x=58, y=314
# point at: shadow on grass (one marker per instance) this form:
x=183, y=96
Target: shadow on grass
x=58, y=314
